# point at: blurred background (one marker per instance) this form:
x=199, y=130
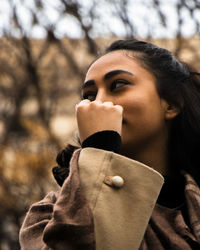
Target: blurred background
x=45, y=49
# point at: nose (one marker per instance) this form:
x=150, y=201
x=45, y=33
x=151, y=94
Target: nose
x=103, y=96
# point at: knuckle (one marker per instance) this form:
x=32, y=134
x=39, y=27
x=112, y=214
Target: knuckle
x=94, y=103
x=108, y=103
x=81, y=106
x=119, y=107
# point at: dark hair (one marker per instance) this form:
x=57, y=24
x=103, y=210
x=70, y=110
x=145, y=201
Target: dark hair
x=179, y=85
x=63, y=158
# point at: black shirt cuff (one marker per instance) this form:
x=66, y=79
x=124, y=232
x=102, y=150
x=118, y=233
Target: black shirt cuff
x=107, y=140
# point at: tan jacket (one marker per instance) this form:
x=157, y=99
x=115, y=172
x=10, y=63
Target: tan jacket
x=121, y=208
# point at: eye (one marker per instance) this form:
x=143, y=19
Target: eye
x=118, y=83
x=90, y=96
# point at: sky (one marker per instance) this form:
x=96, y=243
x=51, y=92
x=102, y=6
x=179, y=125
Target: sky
x=141, y=13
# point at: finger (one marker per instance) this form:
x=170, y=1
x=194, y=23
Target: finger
x=97, y=102
x=81, y=103
x=110, y=104
x=119, y=107
x=85, y=101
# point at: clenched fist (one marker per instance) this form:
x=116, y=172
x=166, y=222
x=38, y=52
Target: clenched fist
x=96, y=116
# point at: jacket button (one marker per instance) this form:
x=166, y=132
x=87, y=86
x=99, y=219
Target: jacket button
x=117, y=181
x=114, y=181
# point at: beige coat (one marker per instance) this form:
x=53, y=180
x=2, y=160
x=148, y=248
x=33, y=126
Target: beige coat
x=110, y=201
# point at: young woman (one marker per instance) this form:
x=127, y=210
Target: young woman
x=139, y=125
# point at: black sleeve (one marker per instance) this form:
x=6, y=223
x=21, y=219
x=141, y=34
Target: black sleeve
x=107, y=140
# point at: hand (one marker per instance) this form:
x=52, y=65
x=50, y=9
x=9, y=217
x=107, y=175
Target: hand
x=96, y=116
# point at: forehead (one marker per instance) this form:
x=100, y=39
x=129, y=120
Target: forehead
x=115, y=60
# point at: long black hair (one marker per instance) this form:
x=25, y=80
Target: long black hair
x=179, y=85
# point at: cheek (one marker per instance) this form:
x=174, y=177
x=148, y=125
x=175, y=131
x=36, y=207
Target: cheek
x=142, y=111
x=134, y=106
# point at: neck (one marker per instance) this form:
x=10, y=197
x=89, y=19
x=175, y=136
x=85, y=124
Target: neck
x=154, y=155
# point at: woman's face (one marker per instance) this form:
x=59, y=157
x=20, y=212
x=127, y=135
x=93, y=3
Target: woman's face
x=119, y=78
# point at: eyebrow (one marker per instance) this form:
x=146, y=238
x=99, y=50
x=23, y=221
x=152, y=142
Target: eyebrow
x=116, y=72
x=106, y=77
